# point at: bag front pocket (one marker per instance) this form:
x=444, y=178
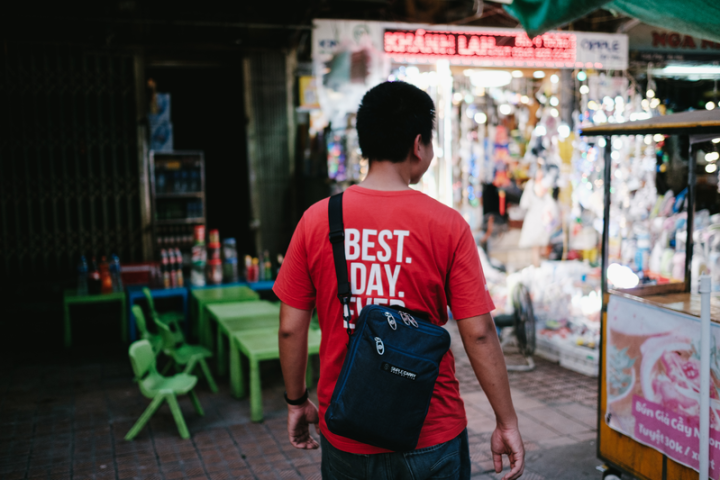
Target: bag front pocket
x=385, y=397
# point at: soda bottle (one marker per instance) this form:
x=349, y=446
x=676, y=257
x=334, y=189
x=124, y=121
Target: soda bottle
x=267, y=267
x=248, y=268
x=230, y=270
x=255, y=269
x=280, y=259
x=115, y=273
x=94, y=278
x=82, y=285
x=106, y=284
x=179, y=274
x=165, y=268
x=198, y=257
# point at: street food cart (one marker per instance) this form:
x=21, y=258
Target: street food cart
x=650, y=402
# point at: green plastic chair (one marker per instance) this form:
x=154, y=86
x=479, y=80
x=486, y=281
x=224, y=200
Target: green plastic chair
x=155, y=340
x=166, y=317
x=159, y=388
x=182, y=353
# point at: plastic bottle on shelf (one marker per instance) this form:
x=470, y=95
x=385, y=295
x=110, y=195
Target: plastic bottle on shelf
x=115, y=273
x=82, y=284
x=106, y=284
x=165, y=268
x=180, y=278
x=198, y=257
x=230, y=261
x=94, y=278
x=678, y=261
x=642, y=254
x=267, y=266
x=172, y=267
x=248, y=267
x=255, y=270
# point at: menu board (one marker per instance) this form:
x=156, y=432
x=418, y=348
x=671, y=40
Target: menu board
x=652, y=359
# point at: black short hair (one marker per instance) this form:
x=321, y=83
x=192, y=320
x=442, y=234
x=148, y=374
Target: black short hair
x=390, y=116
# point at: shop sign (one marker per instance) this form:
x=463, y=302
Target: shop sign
x=653, y=380
x=511, y=48
x=424, y=44
x=649, y=43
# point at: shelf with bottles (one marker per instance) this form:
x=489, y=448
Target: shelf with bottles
x=176, y=173
x=179, y=209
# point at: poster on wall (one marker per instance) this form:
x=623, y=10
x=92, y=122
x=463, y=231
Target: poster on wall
x=653, y=380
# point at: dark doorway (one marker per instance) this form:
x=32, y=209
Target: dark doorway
x=208, y=113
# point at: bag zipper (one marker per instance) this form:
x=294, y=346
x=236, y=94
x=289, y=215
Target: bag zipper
x=410, y=354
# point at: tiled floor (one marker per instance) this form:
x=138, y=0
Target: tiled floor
x=66, y=419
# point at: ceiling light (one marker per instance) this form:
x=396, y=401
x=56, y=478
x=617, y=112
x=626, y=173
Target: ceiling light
x=525, y=99
x=712, y=157
x=480, y=118
x=582, y=76
x=540, y=131
x=517, y=73
x=648, y=139
x=563, y=131
x=711, y=70
x=505, y=109
x=554, y=78
x=645, y=104
x=489, y=78
x=716, y=140
x=709, y=106
x=457, y=98
x=584, y=90
x=654, y=103
x=593, y=105
x=712, y=168
x=538, y=74
x=554, y=112
x=554, y=101
x=658, y=137
x=650, y=94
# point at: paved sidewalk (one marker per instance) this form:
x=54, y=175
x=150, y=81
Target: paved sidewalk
x=66, y=419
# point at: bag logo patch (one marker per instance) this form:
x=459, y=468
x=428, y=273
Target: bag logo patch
x=399, y=371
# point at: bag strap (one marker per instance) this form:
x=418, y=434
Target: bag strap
x=337, y=239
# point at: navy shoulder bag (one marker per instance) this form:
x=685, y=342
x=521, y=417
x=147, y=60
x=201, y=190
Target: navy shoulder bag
x=384, y=389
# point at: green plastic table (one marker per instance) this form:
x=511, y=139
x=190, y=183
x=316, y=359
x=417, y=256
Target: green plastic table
x=207, y=296
x=72, y=298
x=237, y=316
x=259, y=345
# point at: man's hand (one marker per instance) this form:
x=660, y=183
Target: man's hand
x=299, y=419
x=508, y=442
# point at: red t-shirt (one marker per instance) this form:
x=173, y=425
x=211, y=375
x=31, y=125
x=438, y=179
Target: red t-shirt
x=402, y=247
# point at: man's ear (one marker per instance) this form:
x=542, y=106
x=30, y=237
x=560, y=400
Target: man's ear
x=417, y=146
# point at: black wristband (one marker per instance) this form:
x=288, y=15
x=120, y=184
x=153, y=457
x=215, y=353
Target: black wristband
x=299, y=401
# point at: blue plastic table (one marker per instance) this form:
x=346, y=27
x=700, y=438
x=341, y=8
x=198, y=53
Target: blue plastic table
x=134, y=292
x=257, y=286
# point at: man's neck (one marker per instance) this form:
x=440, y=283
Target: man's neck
x=387, y=176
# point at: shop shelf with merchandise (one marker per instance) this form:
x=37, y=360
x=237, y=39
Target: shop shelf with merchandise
x=650, y=364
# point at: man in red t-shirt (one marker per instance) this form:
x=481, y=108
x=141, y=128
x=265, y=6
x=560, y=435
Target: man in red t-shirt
x=402, y=248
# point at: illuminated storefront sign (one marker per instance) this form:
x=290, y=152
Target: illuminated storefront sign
x=554, y=49
x=466, y=45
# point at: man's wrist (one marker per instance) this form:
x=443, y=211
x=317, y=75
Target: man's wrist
x=507, y=423
x=296, y=401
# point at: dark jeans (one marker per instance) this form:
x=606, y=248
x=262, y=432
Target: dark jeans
x=449, y=460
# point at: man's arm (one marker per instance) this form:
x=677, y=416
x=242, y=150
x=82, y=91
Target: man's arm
x=292, y=341
x=481, y=343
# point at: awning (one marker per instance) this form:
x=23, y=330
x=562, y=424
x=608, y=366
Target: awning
x=699, y=122
x=693, y=17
